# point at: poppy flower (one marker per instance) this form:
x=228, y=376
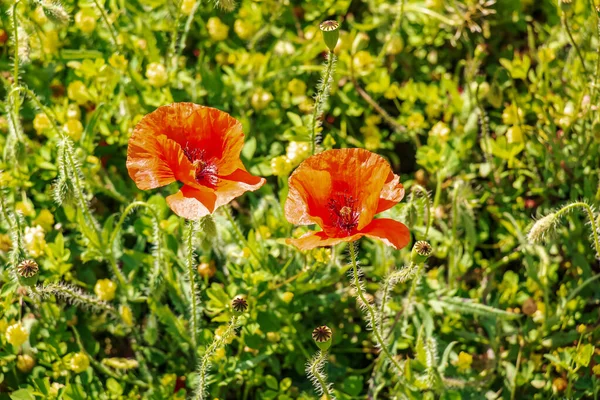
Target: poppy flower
x=197, y=146
x=341, y=191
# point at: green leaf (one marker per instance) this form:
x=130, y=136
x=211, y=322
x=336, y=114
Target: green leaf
x=353, y=385
x=271, y=382
x=22, y=394
x=584, y=354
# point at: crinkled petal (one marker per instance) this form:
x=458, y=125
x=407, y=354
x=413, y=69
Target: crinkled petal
x=389, y=231
x=391, y=194
x=309, y=192
x=236, y=184
x=312, y=240
x=154, y=161
x=192, y=203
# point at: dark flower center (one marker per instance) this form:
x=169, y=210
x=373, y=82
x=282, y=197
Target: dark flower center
x=206, y=169
x=343, y=213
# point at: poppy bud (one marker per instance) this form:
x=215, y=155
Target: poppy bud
x=322, y=337
x=331, y=33
x=28, y=272
x=239, y=305
x=421, y=252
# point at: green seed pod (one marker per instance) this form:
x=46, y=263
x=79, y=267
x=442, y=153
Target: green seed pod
x=239, y=305
x=322, y=337
x=421, y=252
x=331, y=33
x=565, y=5
x=28, y=272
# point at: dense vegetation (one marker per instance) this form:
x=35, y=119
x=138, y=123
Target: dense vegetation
x=488, y=113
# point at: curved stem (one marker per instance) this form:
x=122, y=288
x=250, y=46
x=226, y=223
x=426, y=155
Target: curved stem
x=124, y=215
x=16, y=39
x=590, y=214
x=369, y=308
x=107, y=22
x=573, y=42
x=186, y=29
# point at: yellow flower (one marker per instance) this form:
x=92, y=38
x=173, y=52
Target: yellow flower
x=244, y=29
x=105, y=289
x=79, y=363
x=392, y=92
x=73, y=112
x=25, y=208
x=73, y=128
x=514, y=134
x=217, y=30
x=50, y=42
x=39, y=15
x=219, y=354
x=157, y=74
x=395, y=45
x=35, y=241
x=464, y=361
x=440, y=130
x=25, y=363
x=322, y=255
x=296, y=87
x=281, y=166
x=363, y=62
x=120, y=363
x=45, y=219
x=16, y=334
x=5, y=242
x=126, y=315
x=118, y=61
x=85, y=20
x=261, y=99
x=297, y=152
x=287, y=297
x=415, y=121
x=187, y=6
x=78, y=92
x=512, y=115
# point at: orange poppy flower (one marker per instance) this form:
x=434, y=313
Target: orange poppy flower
x=341, y=191
x=197, y=146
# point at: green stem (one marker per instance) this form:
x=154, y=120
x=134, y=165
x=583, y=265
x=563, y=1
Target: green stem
x=113, y=34
x=189, y=264
x=397, y=24
x=319, y=100
x=240, y=236
x=124, y=215
x=565, y=22
x=369, y=308
x=217, y=342
x=314, y=369
x=16, y=39
x=186, y=29
x=590, y=214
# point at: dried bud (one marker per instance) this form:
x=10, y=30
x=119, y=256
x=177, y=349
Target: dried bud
x=28, y=272
x=239, y=305
x=331, y=33
x=322, y=337
x=421, y=252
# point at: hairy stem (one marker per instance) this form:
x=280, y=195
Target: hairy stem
x=314, y=370
x=591, y=218
x=371, y=313
x=240, y=235
x=189, y=264
x=322, y=93
x=204, y=366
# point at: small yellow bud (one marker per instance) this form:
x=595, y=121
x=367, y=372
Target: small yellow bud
x=118, y=61
x=287, y=297
x=78, y=92
x=25, y=363
x=244, y=29
x=296, y=87
x=41, y=123
x=187, y=6
x=157, y=74
x=281, y=166
x=73, y=128
x=105, y=289
x=85, y=20
x=16, y=334
x=217, y=30
x=261, y=99
x=464, y=361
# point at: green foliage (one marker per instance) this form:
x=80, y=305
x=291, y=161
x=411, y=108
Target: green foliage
x=488, y=112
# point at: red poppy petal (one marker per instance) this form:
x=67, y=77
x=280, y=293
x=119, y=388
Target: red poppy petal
x=320, y=239
x=192, y=203
x=236, y=184
x=309, y=193
x=155, y=161
x=390, y=232
x=391, y=194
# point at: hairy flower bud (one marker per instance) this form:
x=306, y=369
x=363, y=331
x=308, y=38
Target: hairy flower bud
x=542, y=228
